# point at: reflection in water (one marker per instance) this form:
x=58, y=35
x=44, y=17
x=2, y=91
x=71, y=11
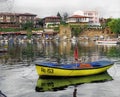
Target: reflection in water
x=15, y=72
x=75, y=92
x=55, y=84
x=30, y=52
x=114, y=52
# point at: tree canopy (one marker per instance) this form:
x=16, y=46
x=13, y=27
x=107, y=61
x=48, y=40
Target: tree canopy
x=114, y=25
x=65, y=16
x=27, y=25
x=58, y=14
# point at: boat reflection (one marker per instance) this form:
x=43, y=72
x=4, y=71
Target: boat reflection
x=56, y=84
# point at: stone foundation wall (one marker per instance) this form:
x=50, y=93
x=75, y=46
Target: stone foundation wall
x=66, y=31
x=97, y=32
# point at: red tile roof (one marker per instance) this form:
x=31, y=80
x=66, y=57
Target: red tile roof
x=53, y=17
x=17, y=14
x=78, y=16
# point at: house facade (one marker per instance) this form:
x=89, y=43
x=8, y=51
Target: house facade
x=82, y=17
x=77, y=19
x=51, y=21
x=14, y=20
x=94, y=17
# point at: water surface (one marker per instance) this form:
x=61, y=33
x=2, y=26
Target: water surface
x=18, y=77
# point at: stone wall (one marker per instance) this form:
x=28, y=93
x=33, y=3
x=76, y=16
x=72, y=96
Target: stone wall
x=66, y=31
x=98, y=32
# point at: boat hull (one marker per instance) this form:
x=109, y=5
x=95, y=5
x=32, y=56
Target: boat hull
x=54, y=71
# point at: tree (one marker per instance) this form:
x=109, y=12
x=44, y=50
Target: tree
x=114, y=25
x=58, y=14
x=108, y=20
x=76, y=31
x=28, y=26
x=104, y=22
x=40, y=23
x=65, y=16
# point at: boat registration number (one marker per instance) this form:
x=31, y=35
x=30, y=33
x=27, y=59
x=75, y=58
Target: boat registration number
x=45, y=70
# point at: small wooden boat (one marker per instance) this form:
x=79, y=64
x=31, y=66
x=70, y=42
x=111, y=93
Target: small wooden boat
x=55, y=84
x=72, y=69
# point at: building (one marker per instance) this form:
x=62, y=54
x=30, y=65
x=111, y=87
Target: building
x=78, y=19
x=14, y=20
x=88, y=17
x=51, y=21
x=94, y=17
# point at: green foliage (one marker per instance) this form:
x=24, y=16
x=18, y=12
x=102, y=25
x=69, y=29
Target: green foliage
x=74, y=26
x=77, y=29
x=114, y=52
x=108, y=20
x=36, y=29
x=28, y=51
x=29, y=33
x=27, y=25
x=58, y=14
x=114, y=25
x=105, y=23
x=52, y=25
x=63, y=23
x=56, y=28
x=9, y=29
x=65, y=16
x=40, y=22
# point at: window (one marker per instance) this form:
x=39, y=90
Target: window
x=90, y=14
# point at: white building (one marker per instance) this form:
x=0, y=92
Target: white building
x=78, y=19
x=94, y=17
x=51, y=21
x=90, y=17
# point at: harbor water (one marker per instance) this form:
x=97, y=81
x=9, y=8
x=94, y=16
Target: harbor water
x=18, y=76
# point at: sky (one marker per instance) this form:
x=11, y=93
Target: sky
x=43, y=8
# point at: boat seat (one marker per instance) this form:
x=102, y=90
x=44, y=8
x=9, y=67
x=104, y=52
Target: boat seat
x=85, y=65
